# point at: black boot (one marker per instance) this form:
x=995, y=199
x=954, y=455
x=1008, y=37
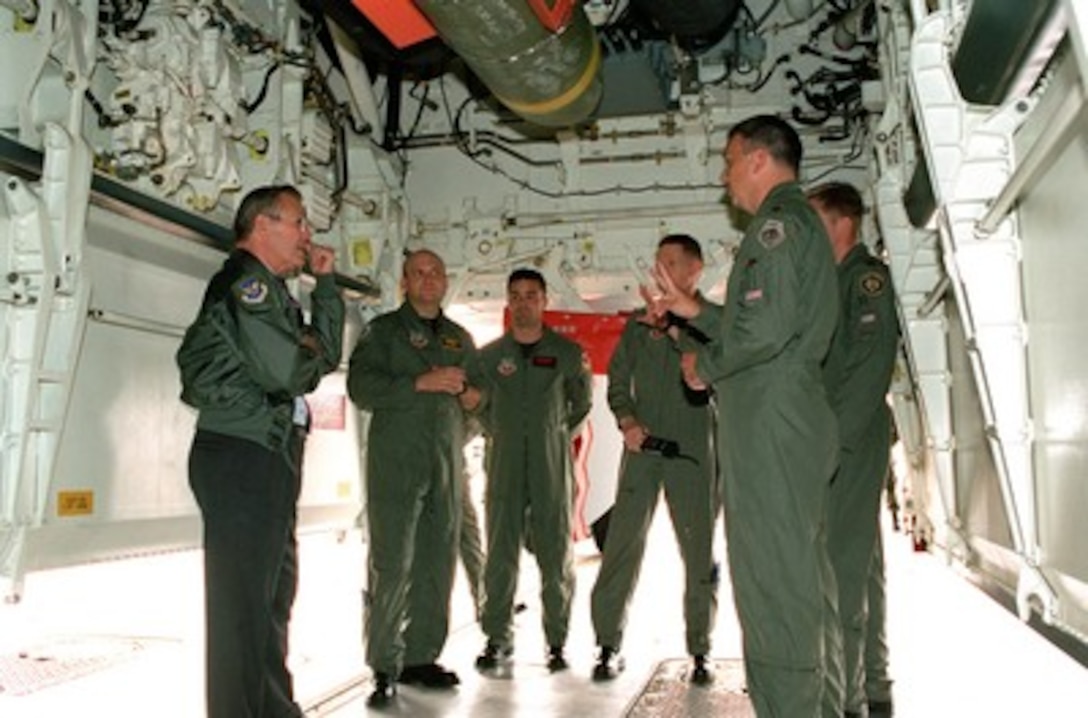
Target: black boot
x=493, y=656
x=556, y=660
x=880, y=709
x=428, y=675
x=701, y=675
x=385, y=690
x=609, y=664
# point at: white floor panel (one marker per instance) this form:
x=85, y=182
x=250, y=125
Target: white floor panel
x=954, y=650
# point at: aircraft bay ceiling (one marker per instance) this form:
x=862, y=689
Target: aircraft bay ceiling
x=548, y=65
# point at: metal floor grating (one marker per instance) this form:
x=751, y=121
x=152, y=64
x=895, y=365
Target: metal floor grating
x=61, y=660
x=669, y=694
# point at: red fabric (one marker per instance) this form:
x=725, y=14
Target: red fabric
x=597, y=333
x=399, y=20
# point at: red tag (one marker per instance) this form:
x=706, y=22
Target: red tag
x=547, y=362
x=555, y=17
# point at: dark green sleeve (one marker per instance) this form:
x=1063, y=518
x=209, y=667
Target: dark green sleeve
x=871, y=342
x=578, y=387
x=374, y=379
x=760, y=317
x=327, y=321
x=272, y=349
x=621, y=368
x=480, y=378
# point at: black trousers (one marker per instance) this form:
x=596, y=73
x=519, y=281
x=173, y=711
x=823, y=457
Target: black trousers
x=247, y=496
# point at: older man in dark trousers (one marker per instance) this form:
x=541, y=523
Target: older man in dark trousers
x=245, y=363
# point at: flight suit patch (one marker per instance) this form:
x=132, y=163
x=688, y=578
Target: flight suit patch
x=252, y=291
x=772, y=233
x=451, y=343
x=507, y=366
x=417, y=339
x=872, y=284
x=753, y=295
x=545, y=362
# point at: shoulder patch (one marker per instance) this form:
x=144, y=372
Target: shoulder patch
x=772, y=233
x=872, y=284
x=251, y=291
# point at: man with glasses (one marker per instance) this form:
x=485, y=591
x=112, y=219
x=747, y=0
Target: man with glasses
x=246, y=362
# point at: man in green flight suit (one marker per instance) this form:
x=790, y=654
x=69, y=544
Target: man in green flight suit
x=778, y=435
x=857, y=372
x=648, y=396
x=538, y=389
x=410, y=370
x=245, y=363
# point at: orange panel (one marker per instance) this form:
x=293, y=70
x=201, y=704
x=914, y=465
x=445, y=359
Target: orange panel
x=399, y=20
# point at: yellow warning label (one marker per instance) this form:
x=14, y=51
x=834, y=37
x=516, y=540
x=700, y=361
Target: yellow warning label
x=362, y=253
x=75, y=503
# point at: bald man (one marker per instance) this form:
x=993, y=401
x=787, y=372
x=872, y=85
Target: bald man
x=409, y=370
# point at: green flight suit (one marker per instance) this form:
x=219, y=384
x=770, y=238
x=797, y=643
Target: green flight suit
x=471, y=547
x=645, y=383
x=878, y=685
x=536, y=397
x=779, y=447
x=857, y=372
x=414, y=464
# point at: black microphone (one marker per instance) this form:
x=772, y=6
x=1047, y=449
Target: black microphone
x=665, y=447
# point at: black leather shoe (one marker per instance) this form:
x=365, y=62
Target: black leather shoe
x=556, y=660
x=493, y=656
x=609, y=664
x=428, y=675
x=880, y=709
x=385, y=690
x=701, y=675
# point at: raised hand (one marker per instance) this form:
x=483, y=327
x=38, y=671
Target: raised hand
x=669, y=297
x=322, y=259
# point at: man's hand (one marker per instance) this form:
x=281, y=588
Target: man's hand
x=655, y=314
x=470, y=398
x=669, y=297
x=310, y=340
x=687, y=370
x=634, y=434
x=442, y=380
x=322, y=259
